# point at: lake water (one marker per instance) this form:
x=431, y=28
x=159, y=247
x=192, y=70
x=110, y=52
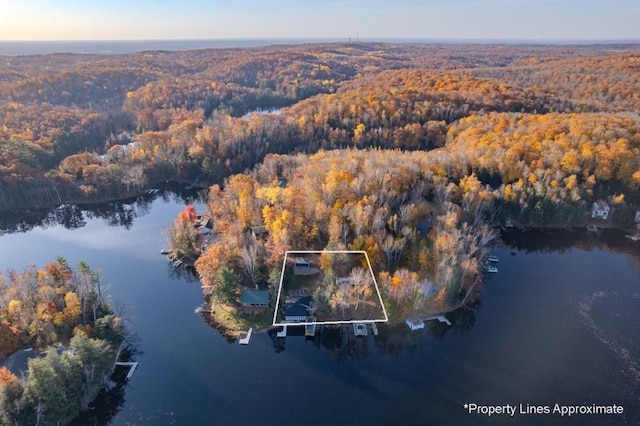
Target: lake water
x=558, y=324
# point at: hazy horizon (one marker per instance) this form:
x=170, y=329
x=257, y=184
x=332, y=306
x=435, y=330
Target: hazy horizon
x=45, y=47
x=144, y=20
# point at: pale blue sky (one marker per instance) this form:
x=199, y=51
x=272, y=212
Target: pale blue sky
x=335, y=19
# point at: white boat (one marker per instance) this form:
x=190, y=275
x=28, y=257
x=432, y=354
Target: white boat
x=633, y=238
x=493, y=259
x=492, y=269
x=360, y=329
x=165, y=251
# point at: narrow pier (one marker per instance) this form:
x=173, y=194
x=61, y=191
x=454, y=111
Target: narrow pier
x=440, y=318
x=245, y=339
x=132, y=367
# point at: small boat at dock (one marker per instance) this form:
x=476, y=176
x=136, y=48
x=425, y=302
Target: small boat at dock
x=491, y=269
x=165, y=251
x=493, y=259
x=634, y=237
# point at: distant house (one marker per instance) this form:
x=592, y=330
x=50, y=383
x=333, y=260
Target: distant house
x=600, y=210
x=204, y=222
x=423, y=227
x=298, y=311
x=254, y=299
x=428, y=289
x=345, y=281
x=18, y=362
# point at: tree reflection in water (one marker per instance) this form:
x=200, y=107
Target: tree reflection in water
x=392, y=340
x=117, y=213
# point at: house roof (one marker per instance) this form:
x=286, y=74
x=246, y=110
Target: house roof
x=254, y=297
x=600, y=205
x=18, y=362
x=300, y=308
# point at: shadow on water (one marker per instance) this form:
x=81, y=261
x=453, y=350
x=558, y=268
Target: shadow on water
x=392, y=340
x=120, y=213
x=559, y=241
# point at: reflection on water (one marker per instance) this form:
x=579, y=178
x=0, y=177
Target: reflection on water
x=117, y=213
x=559, y=241
x=558, y=324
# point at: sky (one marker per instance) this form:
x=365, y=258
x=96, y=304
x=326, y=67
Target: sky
x=330, y=19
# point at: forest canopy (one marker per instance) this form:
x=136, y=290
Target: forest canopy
x=99, y=127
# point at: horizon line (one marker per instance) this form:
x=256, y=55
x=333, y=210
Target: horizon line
x=352, y=39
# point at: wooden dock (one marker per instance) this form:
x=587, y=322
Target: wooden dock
x=310, y=329
x=132, y=367
x=245, y=339
x=283, y=332
x=440, y=318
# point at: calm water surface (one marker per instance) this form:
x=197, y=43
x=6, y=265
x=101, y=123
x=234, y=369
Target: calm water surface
x=558, y=324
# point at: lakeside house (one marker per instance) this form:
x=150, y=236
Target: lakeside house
x=600, y=210
x=18, y=362
x=254, y=300
x=299, y=310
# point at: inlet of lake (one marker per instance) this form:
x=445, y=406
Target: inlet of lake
x=559, y=324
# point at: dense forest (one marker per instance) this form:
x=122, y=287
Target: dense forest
x=64, y=315
x=96, y=127
x=414, y=152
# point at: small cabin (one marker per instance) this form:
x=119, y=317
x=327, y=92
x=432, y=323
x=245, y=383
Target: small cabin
x=254, y=299
x=600, y=210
